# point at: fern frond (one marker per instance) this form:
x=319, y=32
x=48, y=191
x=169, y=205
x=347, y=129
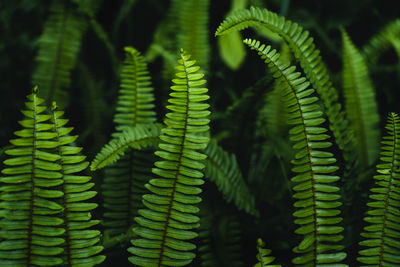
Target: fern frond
x=316, y=192
x=59, y=46
x=81, y=247
x=123, y=184
x=135, y=103
x=167, y=222
x=193, y=30
x=381, y=244
x=30, y=225
x=223, y=170
x=303, y=49
x=360, y=103
x=137, y=137
x=263, y=255
x=388, y=36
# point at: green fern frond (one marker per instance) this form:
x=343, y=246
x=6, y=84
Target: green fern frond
x=223, y=170
x=303, y=49
x=316, y=192
x=263, y=255
x=135, y=103
x=123, y=183
x=30, y=223
x=388, y=36
x=193, y=33
x=43, y=219
x=81, y=247
x=59, y=46
x=360, y=103
x=382, y=233
x=167, y=222
x=137, y=137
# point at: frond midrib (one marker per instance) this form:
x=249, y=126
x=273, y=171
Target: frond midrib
x=64, y=201
x=32, y=199
x=314, y=206
x=179, y=164
x=392, y=169
x=57, y=61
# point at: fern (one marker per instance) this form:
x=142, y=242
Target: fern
x=141, y=136
x=123, y=183
x=222, y=169
x=81, y=244
x=193, y=34
x=59, y=46
x=167, y=222
x=29, y=193
x=263, y=255
x=382, y=233
x=303, y=49
x=315, y=190
x=388, y=36
x=360, y=102
x=44, y=221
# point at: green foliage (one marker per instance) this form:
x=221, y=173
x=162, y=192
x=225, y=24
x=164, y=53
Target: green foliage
x=315, y=190
x=139, y=137
x=380, y=42
x=360, y=102
x=263, y=255
x=381, y=235
x=169, y=217
x=59, y=47
x=45, y=219
x=303, y=49
x=123, y=184
x=222, y=169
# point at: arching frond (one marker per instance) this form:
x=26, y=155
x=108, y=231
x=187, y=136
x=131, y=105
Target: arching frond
x=303, y=49
x=137, y=137
x=81, y=247
x=193, y=33
x=388, y=36
x=167, y=223
x=263, y=256
x=59, y=46
x=381, y=237
x=316, y=192
x=223, y=170
x=360, y=103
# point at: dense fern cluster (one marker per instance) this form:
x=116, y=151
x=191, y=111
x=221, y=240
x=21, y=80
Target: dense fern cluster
x=198, y=170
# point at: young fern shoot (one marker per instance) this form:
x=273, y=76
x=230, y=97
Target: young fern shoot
x=166, y=224
x=317, y=195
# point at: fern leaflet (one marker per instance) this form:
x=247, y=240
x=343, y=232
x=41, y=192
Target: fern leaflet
x=263, y=256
